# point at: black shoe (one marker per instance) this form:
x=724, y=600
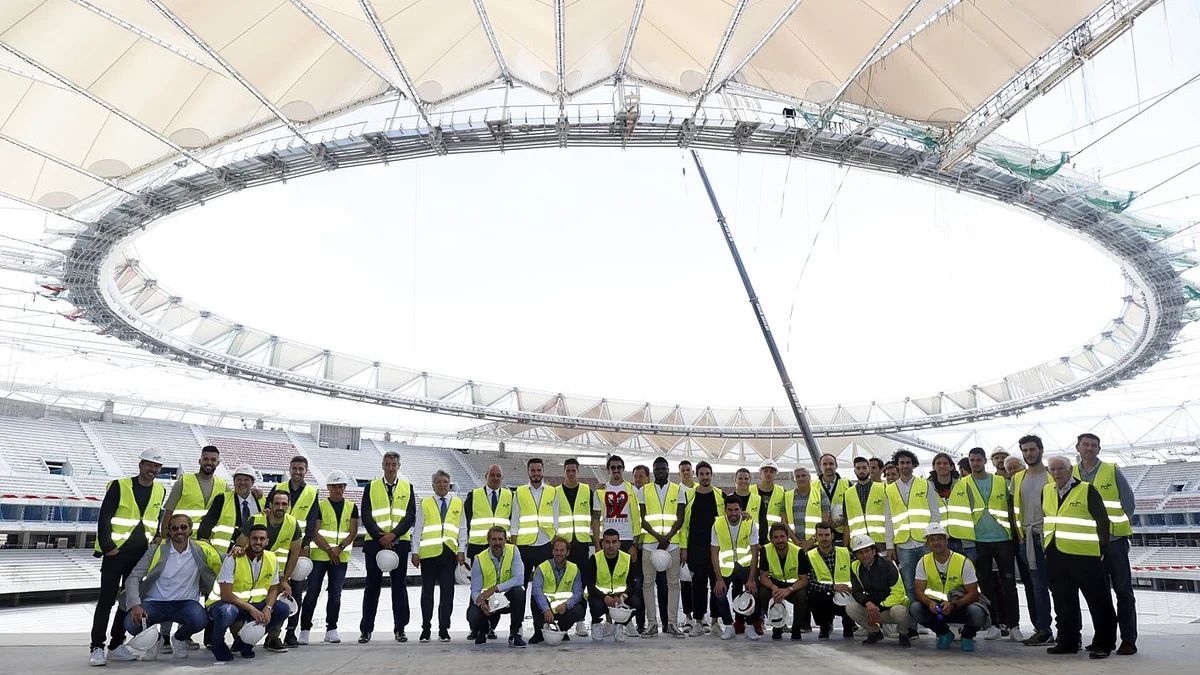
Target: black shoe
x=824, y=634
x=491, y=635
x=872, y=638
x=424, y=635
x=776, y=633
x=364, y=638
x=443, y=636
x=221, y=652
x=290, y=639
x=480, y=639
x=847, y=633
x=905, y=642
x=1062, y=649
x=400, y=636
x=797, y=636
x=1039, y=638
x=471, y=635
x=536, y=639
x=566, y=638
x=1097, y=654
x=913, y=633
x=247, y=651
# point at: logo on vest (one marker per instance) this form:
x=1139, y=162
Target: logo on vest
x=1075, y=504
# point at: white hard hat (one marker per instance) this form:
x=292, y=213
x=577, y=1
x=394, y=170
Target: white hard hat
x=861, y=541
x=337, y=478
x=245, y=470
x=842, y=599
x=145, y=640
x=151, y=455
x=620, y=614
x=552, y=636
x=685, y=573
x=252, y=632
x=387, y=560
x=302, y=569
x=768, y=464
x=462, y=575
x=744, y=604
x=777, y=615
x=934, y=528
x=660, y=559
x=293, y=606
x=498, y=601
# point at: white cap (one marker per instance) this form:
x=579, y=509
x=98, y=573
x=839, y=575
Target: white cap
x=934, y=528
x=768, y=464
x=245, y=470
x=152, y=455
x=336, y=478
x=862, y=541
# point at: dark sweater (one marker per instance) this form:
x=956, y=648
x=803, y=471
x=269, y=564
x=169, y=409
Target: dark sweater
x=875, y=583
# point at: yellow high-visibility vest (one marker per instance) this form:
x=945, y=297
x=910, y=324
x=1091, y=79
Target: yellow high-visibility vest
x=661, y=517
x=191, y=499
x=300, y=508
x=575, y=519
x=909, y=520
x=559, y=591
x=482, y=516
x=812, y=512
x=786, y=570
x=615, y=581
x=534, y=516
x=281, y=546
x=935, y=587
x=996, y=503
x=1105, y=482
x=897, y=594
x=488, y=569
x=1071, y=525
x=774, y=505
x=389, y=512
x=222, y=532
x=127, y=517
x=334, y=530
x=635, y=513
x=872, y=521
x=730, y=552
x=434, y=532
x=718, y=497
x=841, y=563
x=958, y=514
x=245, y=585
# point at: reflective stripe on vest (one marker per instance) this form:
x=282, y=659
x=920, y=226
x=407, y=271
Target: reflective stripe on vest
x=299, y=510
x=958, y=516
x=872, y=522
x=388, y=513
x=575, y=519
x=612, y=582
x=909, y=520
x=1071, y=526
x=281, y=545
x=191, y=498
x=334, y=530
x=841, y=560
x=127, y=516
x=789, y=571
x=222, y=532
x=434, y=532
x=558, y=591
x=482, y=516
x=730, y=552
x=935, y=588
x=245, y=585
x=661, y=516
x=997, y=502
x=488, y=567
x=812, y=512
x=774, y=505
x=1105, y=482
x=896, y=594
x=534, y=517
x=1016, y=499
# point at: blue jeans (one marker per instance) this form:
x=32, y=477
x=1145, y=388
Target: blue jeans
x=1041, y=591
x=1116, y=563
x=971, y=617
x=189, y=614
x=957, y=546
x=224, y=615
x=907, y=559
x=333, y=606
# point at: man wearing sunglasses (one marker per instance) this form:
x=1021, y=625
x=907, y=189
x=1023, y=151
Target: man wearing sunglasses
x=619, y=510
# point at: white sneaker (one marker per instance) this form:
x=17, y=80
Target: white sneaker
x=302, y=637
x=97, y=657
x=598, y=633
x=697, y=629
x=728, y=634
x=620, y=632
x=707, y=628
x=1014, y=634
x=751, y=633
x=179, y=649
x=993, y=633
x=122, y=653
x=332, y=637
x=149, y=655
x=581, y=628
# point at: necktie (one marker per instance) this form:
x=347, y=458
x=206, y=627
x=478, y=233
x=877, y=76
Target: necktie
x=493, y=501
x=245, y=510
x=443, y=508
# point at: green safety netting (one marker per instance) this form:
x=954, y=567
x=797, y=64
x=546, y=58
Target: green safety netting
x=1109, y=201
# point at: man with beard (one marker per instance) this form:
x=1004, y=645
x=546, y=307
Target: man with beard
x=558, y=589
x=663, y=504
x=284, y=539
x=576, y=521
x=878, y=592
x=705, y=505
x=249, y=588
x=1028, y=521
x=865, y=506
x=497, y=571
x=337, y=528
x=783, y=577
x=834, y=487
x=619, y=510
x=733, y=548
x=829, y=574
x=912, y=505
x=302, y=498
x=532, y=527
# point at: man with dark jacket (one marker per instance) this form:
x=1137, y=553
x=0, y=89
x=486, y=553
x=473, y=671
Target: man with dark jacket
x=878, y=591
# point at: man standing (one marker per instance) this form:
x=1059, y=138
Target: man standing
x=829, y=574
x=388, y=514
x=834, y=486
x=993, y=543
x=865, y=506
x=686, y=485
x=733, y=550
x=575, y=521
x=558, y=589
x=685, y=474
x=533, y=527
x=619, y=510
x=805, y=508
x=947, y=590
x=767, y=501
x=303, y=498
x=166, y=586
x=955, y=505
x=876, y=470
x=609, y=577
x=704, y=505
x=284, y=538
x=999, y=458
x=662, y=504
x=1077, y=539
x=337, y=527
x=249, y=588
x=784, y=578
x=231, y=511
x=499, y=570
x=436, y=552
x=1028, y=519
x=1108, y=480
x=128, y=522
x=486, y=507
x=912, y=505
x=878, y=592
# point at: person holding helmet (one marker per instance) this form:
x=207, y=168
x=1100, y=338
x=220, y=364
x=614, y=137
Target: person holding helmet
x=617, y=503
x=576, y=521
x=558, y=589
x=127, y=524
x=437, y=552
x=662, y=504
x=947, y=591
x=878, y=592
x=733, y=547
x=497, y=571
x=533, y=527
x=231, y=510
x=912, y=505
x=284, y=537
x=388, y=514
x=166, y=586
x=784, y=578
x=337, y=527
x=302, y=500
x=248, y=587
x=609, y=578
x=829, y=576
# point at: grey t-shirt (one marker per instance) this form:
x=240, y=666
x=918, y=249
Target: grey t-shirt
x=1031, y=499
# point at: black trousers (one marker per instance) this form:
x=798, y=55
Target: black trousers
x=532, y=556
x=1004, y=604
x=579, y=553
x=700, y=563
x=685, y=597
x=824, y=610
x=482, y=623
x=799, y=600
x=438, y=572
x=721, y=604
x=600, y=610
x=398, y=578
x=635, y=585
x=1070, y=575
x=299, y=588
x=114, y=570
x=474, y=550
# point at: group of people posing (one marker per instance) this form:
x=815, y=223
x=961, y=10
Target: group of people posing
x=886, y=552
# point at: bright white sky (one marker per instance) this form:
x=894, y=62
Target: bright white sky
x=603, y=272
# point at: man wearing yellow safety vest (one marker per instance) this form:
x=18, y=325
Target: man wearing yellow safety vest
x=249, y=589
x=834, y=486
x=558, y=589
x=576, y=521
x=486, y=506
x=436, y=552
x=127, y=524
x=783, y=577
x=829, y=574
x=167, y=585
x=336, y=529
x=878, y=593
x=705, y=505
x=1077, y=528
x=864, y=506
x=805, y=508
x=1114, y=489
x=303, y=500
x=733, y=550
x=532, y=527
x=609, y=580
x=876, y=465
x=767, y=501
x=663, y=505
x=230, y=511
x=1028, y=521
x=947, y=591
x=912, y=505
x=388, y=514
x=687, y=483
x=993, y=544
x=284, y=540
x=497, y=570
x=956, y=504
x=617, y=505
x=193, y=493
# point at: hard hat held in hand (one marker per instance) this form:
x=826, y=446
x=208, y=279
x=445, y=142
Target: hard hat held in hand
x=302, y=569
x=685, y=574
x=620, y=614
x=292, y=605
x=497, y=602
x=777, y=615
x=462, y=575
x=387, y=560
x=660, y=559
x=744, y=604
x=552, y=635
x=252, y=632
x=145, y=640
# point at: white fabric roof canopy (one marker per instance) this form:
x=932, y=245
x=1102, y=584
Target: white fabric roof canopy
x=92, y=92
